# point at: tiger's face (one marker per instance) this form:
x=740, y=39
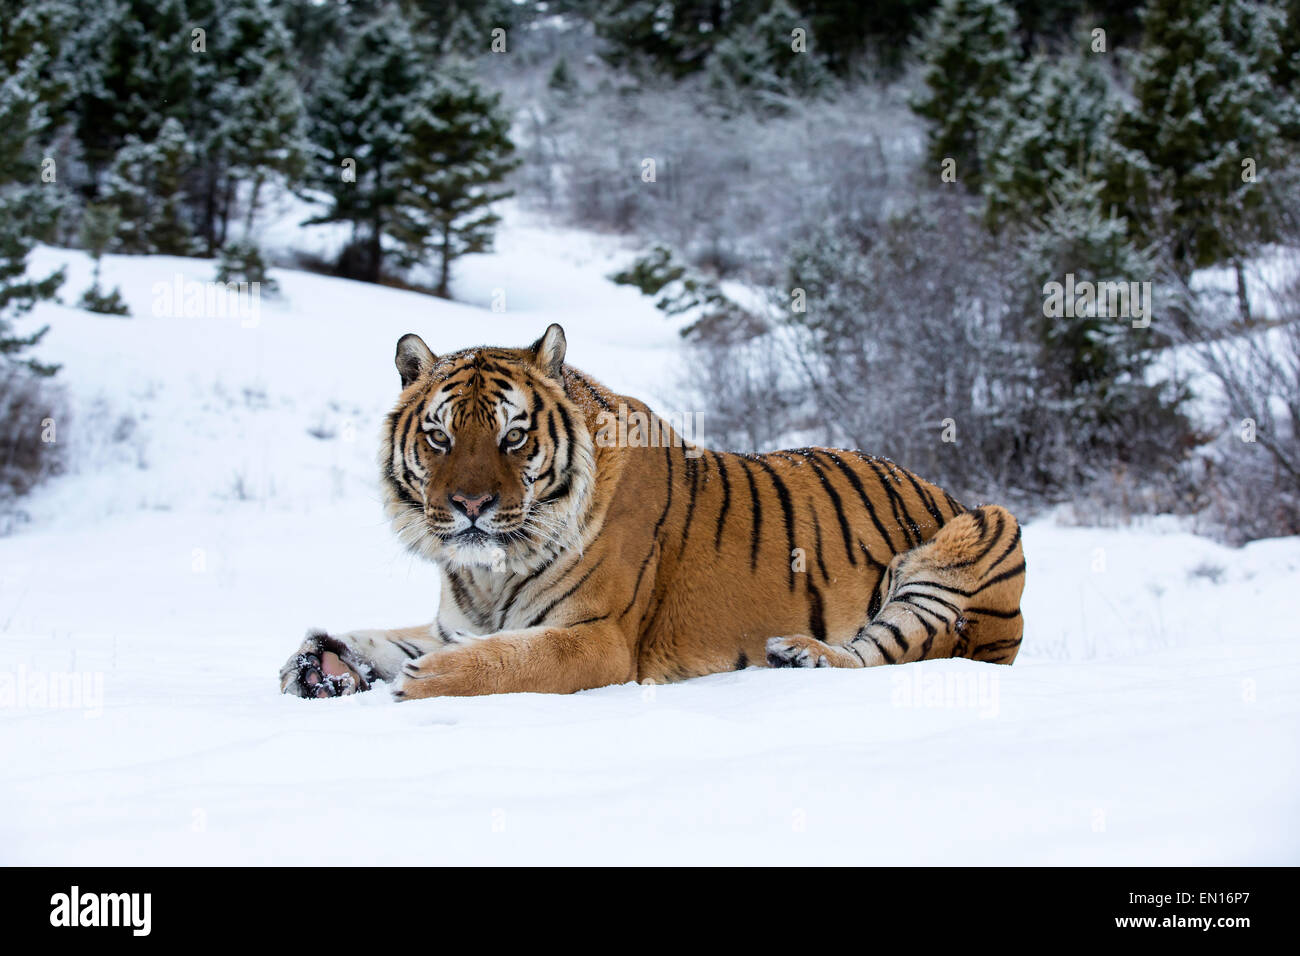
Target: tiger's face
x=486, y=462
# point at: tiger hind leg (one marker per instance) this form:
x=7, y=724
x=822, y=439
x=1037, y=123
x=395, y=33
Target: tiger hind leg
x=956, y=595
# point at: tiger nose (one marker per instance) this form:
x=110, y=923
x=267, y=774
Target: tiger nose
x=472, y=504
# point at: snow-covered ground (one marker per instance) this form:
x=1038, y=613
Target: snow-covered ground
x=222, y=499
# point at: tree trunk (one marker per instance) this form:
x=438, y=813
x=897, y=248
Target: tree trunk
x=444, y=267
x=1243, y=295
x=252, y=207
x=210, y=211
x=376, y=252
x=227, y=200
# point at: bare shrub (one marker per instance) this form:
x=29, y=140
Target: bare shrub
x=33, y=413
x=1250, y=479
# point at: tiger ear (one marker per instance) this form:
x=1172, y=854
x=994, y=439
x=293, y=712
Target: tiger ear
x=548, y=352
x=413, y=358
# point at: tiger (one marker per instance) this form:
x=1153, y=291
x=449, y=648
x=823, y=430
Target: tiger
x=582, y=542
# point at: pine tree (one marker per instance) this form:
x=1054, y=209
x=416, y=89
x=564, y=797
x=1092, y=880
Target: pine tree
x=456, y=156
x=36, y=29
x=1204, y=108
x=561, y=82
x=674, y=38
x=132, y=69
x=969, y=52
x=98, y=230
x=359, y=136
x=260, y=131
x=1286, y=76
x=146, y=185
x=22, y=120
x=1092, y=364
x=1055, y=120
x=757, y=65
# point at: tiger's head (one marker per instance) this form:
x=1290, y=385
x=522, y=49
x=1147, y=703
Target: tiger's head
x=485, y=460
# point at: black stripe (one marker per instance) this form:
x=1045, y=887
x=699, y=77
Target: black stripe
x=668, y=494
x=817, y=533
x=993, y=612
x=787, y=514
x=1015, y=540
x=956, y=506
x=588, y=620
x=1005, y=575
x=982, y=520
x=600, y=399
x=999, y=645
x=924, y=496
x=898, y=636
x=942, y=587
x=756, y=529
x=460, y=594
x=856, y=482
x=905, y=594
x=816, y=612
x=836, y=503
x=550, y=607
x=873, y=608
x=692, y=467
x=889, y=658
x=514, y=593
x=639, y=575
x=902, y=516
x=915, y=610
x=726, y=500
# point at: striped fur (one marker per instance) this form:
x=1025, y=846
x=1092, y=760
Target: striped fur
x=599, y=563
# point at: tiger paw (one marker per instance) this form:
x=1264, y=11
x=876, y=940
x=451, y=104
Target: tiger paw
x=324, y=667
x=801, y=651
x=459, y=672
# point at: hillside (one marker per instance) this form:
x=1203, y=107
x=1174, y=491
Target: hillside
x=222, y=499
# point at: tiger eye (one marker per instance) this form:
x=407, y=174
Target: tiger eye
x=514, y=436
x=440, y=436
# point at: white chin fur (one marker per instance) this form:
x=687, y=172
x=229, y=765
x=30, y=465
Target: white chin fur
x=487, y=554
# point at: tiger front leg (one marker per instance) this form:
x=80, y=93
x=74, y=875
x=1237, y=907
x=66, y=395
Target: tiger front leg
x=538, y=660
x=336, y=666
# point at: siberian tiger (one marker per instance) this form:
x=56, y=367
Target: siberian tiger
x=576, y=554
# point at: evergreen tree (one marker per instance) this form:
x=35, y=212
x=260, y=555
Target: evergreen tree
x=1286, y=77
x=1203, y=107
x=457, y=153
x=145, y=184
x=1055, y=120
x=35, y=30
x=359, y=136
x=562, y=82
x=1092, y=363
x=131, y=69
x=22, y=120
x=757, y=64
x=259, y=134
x=674, y=38
x=969, y=53
x=98, y=229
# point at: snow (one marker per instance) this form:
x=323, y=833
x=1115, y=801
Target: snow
x=223, y=500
